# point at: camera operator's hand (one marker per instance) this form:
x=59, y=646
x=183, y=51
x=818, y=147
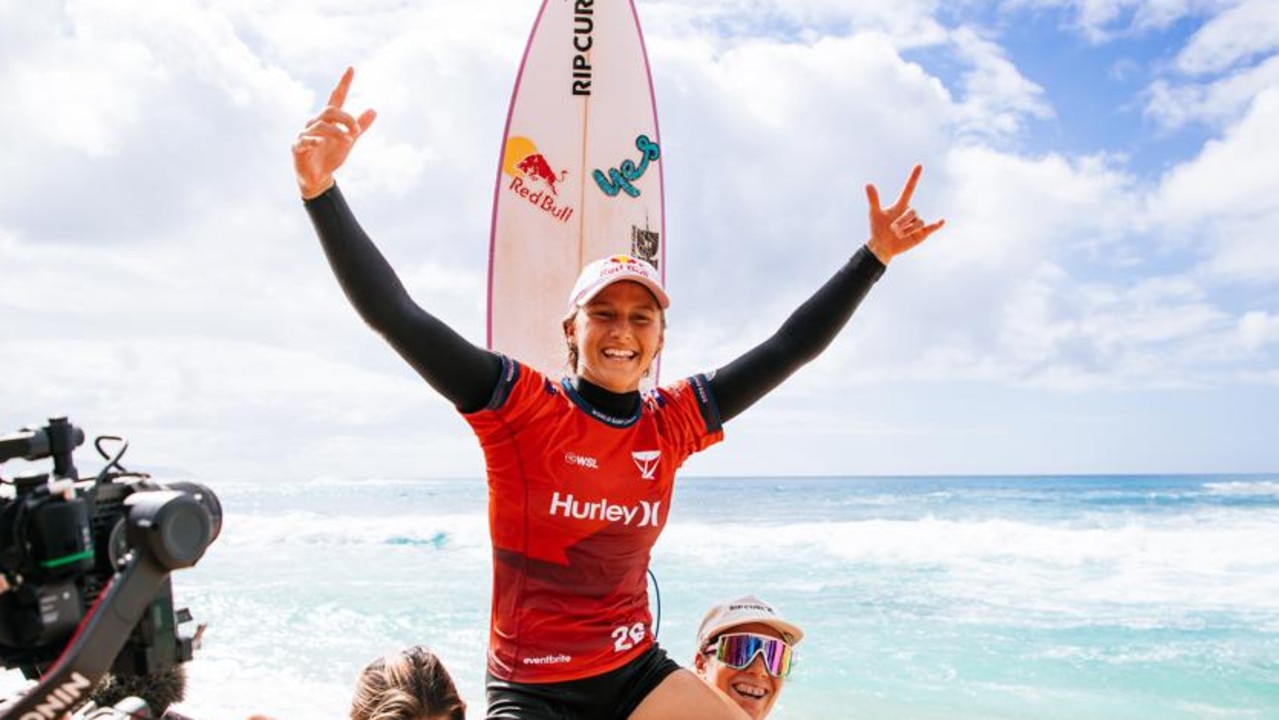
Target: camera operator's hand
x=327, y=139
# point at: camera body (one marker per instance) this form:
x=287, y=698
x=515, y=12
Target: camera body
x=63, y=540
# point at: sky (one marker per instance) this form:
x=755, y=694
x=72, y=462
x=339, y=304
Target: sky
x=1103, y=299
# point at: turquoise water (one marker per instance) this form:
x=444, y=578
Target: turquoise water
x=1044, y=597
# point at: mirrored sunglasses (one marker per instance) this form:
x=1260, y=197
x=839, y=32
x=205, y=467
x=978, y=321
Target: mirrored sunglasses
x=738, y=650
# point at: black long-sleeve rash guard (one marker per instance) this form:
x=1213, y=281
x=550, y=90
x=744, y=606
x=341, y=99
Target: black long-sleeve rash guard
x=466, y=374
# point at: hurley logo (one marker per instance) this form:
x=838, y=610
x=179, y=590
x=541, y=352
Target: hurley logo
x=646, y=461
x=647, y=513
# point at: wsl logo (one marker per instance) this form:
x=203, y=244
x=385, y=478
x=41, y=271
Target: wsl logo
x=585, y=461
x=534, y=179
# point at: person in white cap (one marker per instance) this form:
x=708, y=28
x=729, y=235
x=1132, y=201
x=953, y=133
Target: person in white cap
x=745, y=649
x=581, y=469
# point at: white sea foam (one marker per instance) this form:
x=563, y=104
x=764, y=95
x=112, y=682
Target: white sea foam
x=1244, y=488
x=304, y=528
x=1203, y=711
x=1148, y=572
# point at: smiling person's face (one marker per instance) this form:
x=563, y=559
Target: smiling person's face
x=617, y=334
x=751, y=688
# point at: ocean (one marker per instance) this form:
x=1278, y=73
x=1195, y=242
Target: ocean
x=1046, y=598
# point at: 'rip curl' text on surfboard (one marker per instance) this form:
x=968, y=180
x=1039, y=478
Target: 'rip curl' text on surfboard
x=583, y=39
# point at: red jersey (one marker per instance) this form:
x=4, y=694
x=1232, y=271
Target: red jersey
x=577, y=498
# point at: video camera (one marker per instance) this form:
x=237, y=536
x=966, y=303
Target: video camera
x=84, y=570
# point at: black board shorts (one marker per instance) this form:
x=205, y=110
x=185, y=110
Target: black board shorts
x=611, y=696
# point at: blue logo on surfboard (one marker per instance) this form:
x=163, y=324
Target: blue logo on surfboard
x=620, y=178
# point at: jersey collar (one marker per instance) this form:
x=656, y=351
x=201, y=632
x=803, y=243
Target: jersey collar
x=610, y=419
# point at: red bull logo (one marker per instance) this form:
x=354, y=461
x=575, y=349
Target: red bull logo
x=536, y=168
x=619, y=264
x=533, y=178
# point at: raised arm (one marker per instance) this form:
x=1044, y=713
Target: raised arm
x=462, y=372
x=812, y=327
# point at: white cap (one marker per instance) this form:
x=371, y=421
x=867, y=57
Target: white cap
x=741, y=611
x=602, y=273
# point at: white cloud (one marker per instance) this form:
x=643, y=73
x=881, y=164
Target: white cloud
x=1229, y=58
x=1233, y=175
x=770, y=144
x=1258, y=329
x=1235, y=35
x=214, y=405
x=909, y=22
x=74, y=99
x=1015, y=210
x=1175, y=104
x=1092, y=17
x=1007, y=295
x=1101, y=21
x=1223, y=202
x=1105, y=336
x=1228, y=61
x=997, y=98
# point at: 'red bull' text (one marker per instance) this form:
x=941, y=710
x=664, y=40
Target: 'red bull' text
x=542, y=200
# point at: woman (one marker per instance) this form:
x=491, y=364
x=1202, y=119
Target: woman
x=745, y=650
x=580, y=472
x=411, y=684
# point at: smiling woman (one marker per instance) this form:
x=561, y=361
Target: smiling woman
x=616, y=322
x=581, y=471
x=745, y=650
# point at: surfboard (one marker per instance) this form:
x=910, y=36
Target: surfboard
x=579, y=176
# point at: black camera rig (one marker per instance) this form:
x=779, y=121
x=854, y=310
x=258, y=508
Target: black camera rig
x=84, y=570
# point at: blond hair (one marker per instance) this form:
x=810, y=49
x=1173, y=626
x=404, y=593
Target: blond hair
x=408, y=685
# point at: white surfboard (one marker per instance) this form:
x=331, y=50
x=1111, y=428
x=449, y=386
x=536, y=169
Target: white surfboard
x=580, y=175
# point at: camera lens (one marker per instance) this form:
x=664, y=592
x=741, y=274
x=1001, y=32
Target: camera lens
x=207, y=500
